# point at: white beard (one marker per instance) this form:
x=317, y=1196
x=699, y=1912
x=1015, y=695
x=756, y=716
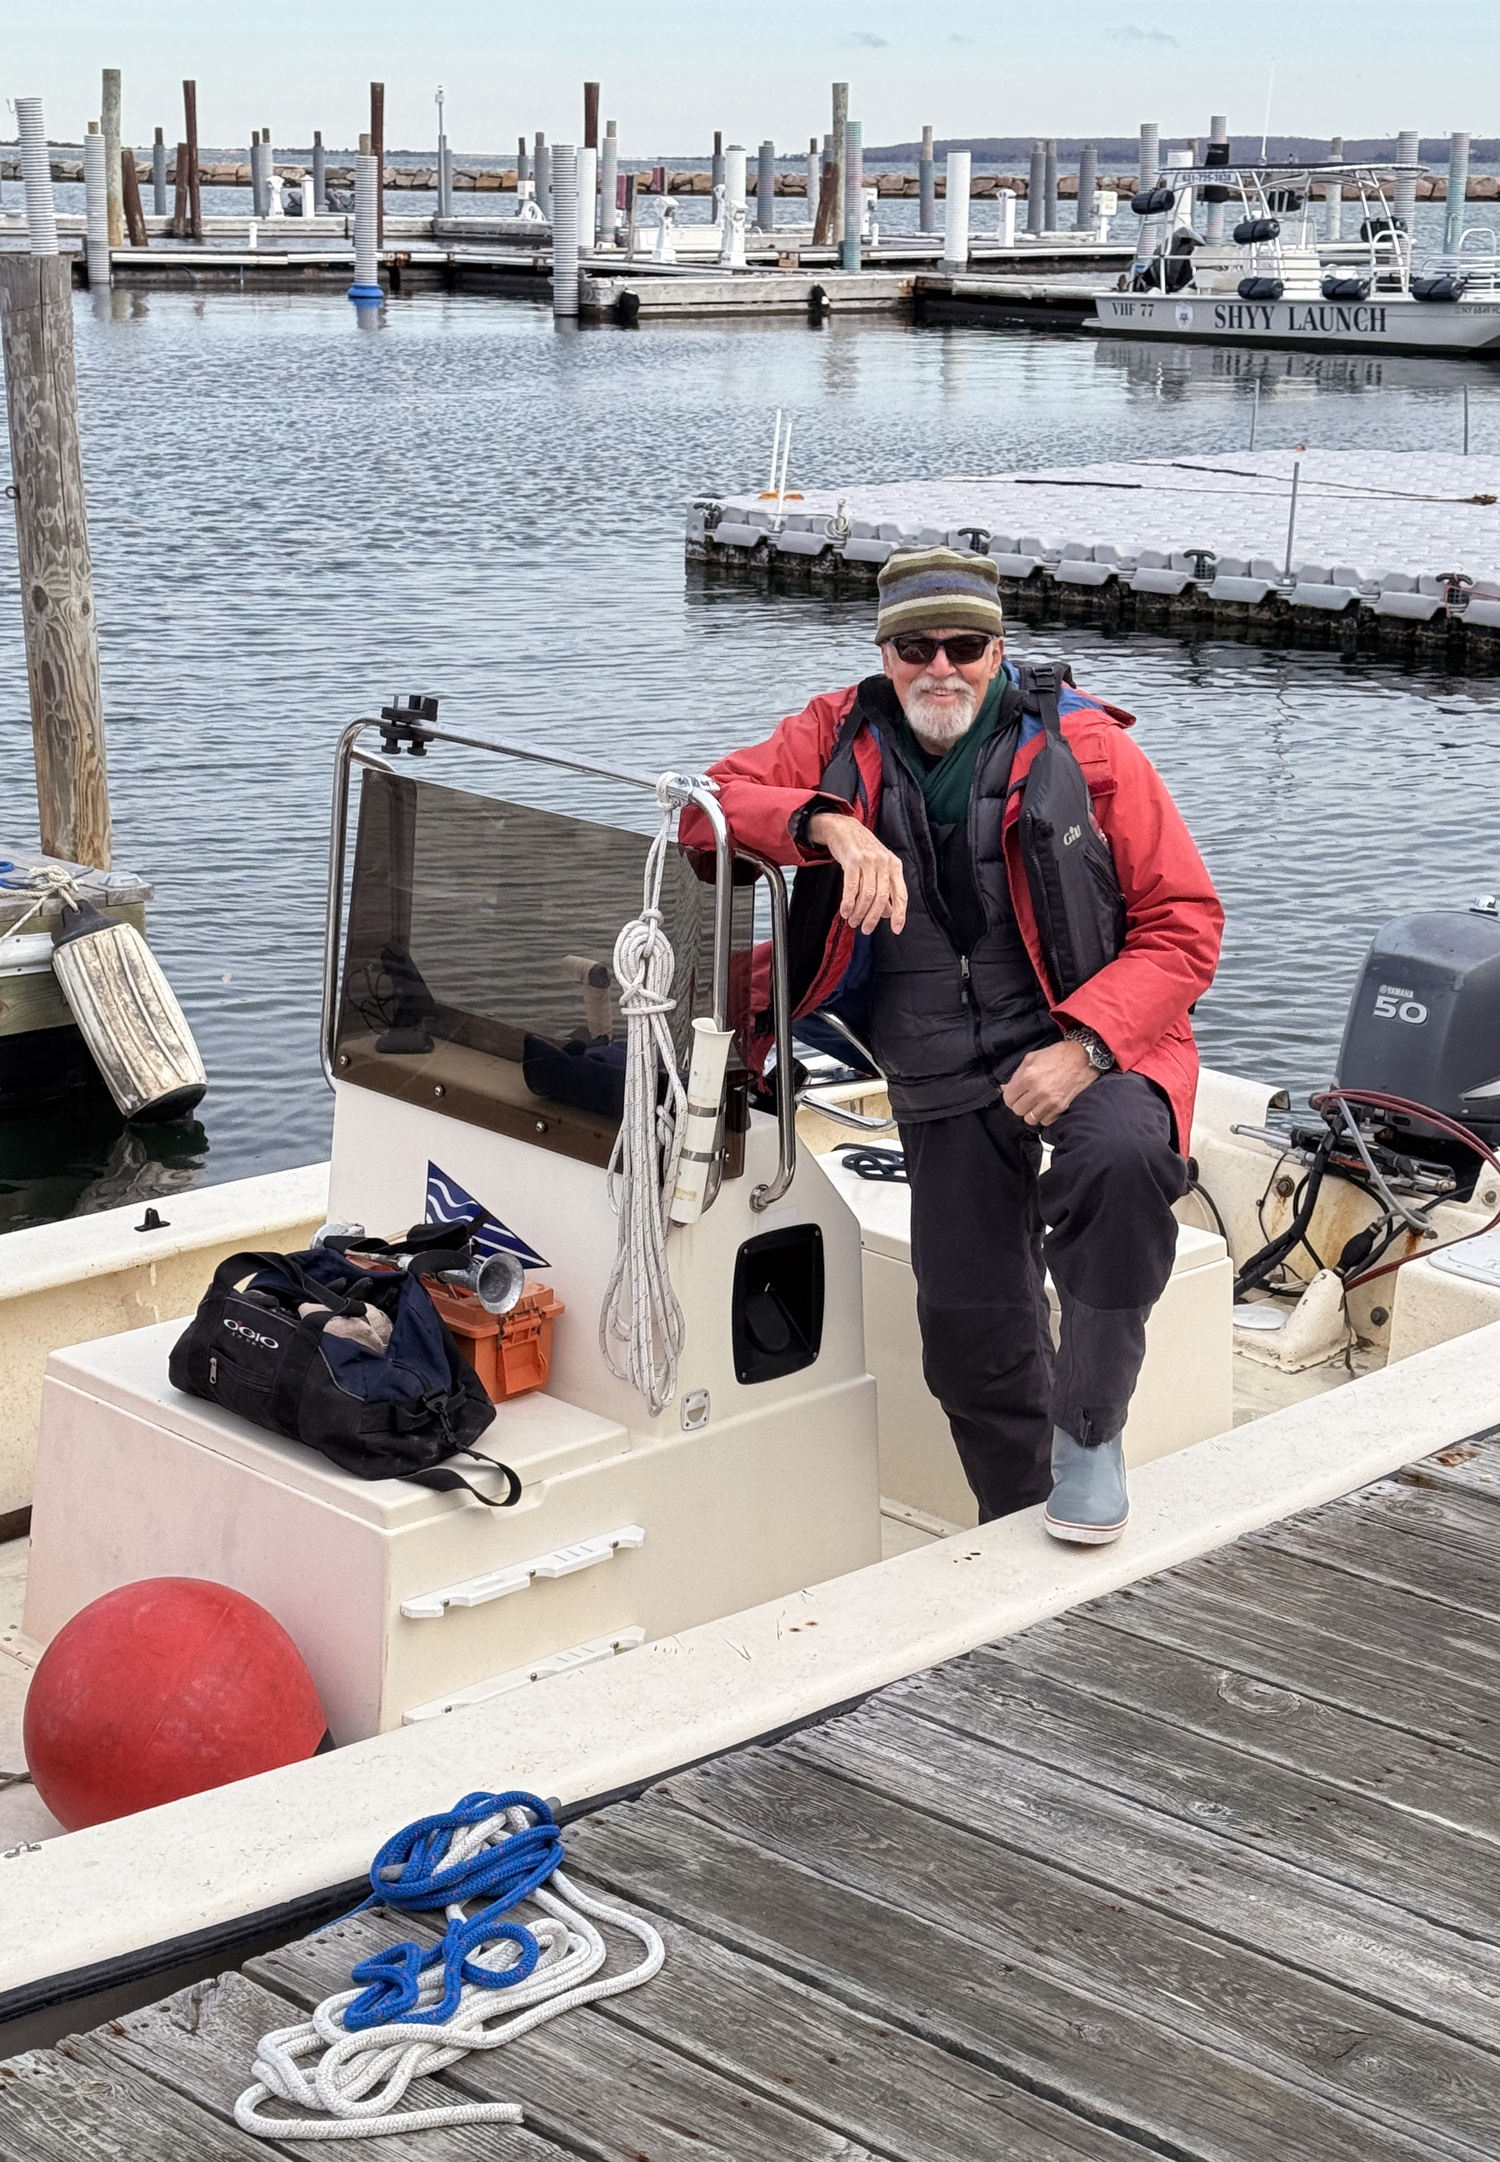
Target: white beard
x=938, y=723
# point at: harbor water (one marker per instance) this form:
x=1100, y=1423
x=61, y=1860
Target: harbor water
x=295, y=514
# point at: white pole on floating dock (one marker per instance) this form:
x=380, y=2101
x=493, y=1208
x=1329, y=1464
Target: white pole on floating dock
x=1333, y=193
x=1254, y=410
x=956, y=207
x=1049, y=185
x=159, y=175
x=588, y=182
x=96, y=207
x=564, y=179
x=1036, y=187
x=1007, y=221
x=840, y=122
x=366, y=286
x=609, y=185
x=732, y=248
x=765, y=188
x=1088, y=182
x=1466, y=420
x=1291, y=523
x=309, y=197
x=1213, y=217
x=36, y=175
x=1404, y=201
x=319, y=174
x=1150, y=166
x=927, y=186
x=1458, y=188
x=775, y=453
x=850, y=252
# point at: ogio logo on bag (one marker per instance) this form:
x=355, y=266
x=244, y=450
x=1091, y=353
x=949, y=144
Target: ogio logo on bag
x=252, y=1336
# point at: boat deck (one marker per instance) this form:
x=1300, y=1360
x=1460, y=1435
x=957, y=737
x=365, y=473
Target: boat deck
x=1202, y=1869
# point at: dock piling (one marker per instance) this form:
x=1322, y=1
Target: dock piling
x=1458, y=188
x=190, y=159
x=588, y=186
x=36, y=176
x=591, y=118
x=840, y=187
x=541, y=172
x=716, y=167
x=1006, y=225
x=1333, y=193
x=159, y=176
x=814, y=180
x=851, y=247
x=765, y=188
x=927, y=186
x=319, y=173
x=130, y=190
x=257, y=177
x=377, y=152
x=1049, y=185
x=109, y=128
x=1088, y=182
x=1218, y=139
x=732, y=246
x=608, y=222
x=956, y=209
x=182, y=216
x=523, y=169
x=1036, y=188
x=96, y=211
x=565, y=225
x=1404, y=199
x=1150, y=164
x=365, y=291
x=309, y=196
x=52, y=542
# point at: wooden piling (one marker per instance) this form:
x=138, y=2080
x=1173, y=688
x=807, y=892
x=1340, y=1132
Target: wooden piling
x=591, y=116
x=840, y=124
x=182, y=216
x=190, y=128
x=377, y=152
x=56, y=576
x=320, y=173
x=159, y=175
x=109, y=125
x=130, y=190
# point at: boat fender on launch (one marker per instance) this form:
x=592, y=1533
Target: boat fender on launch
x=1251, y=232
x=1261, y=288
x=127, y=1013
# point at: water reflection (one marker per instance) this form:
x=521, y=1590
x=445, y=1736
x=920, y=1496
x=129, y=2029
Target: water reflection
x=81, y=1158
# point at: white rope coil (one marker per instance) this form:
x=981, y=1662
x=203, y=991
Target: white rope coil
x=353, y=2084
x=641, y=1325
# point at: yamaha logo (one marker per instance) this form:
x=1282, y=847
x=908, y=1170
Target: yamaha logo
x=253, y=1336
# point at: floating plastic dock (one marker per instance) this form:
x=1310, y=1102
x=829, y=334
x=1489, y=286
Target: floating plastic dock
x=1381, y=548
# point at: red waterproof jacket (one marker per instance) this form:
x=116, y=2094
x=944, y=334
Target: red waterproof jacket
x=1139, y=1002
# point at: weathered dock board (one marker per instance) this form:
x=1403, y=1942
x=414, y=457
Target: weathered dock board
x=1205, y=1868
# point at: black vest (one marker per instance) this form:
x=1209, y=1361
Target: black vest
x=950, y=1026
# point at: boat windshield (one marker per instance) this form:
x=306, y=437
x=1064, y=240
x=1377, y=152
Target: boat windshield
x=477, y=975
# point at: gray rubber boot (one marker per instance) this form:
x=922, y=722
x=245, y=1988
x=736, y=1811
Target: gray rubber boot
x=1089, y=1505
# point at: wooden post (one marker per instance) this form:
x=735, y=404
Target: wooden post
x=190, y=129
x=130, y=189
x=181, y=214
x=591, y=116
x=159, y=176
x=52, y=543
x=377, y=152
x=109, y=122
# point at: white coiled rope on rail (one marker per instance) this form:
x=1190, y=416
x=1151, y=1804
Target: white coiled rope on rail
x=641, y=1325
x=354, y=2082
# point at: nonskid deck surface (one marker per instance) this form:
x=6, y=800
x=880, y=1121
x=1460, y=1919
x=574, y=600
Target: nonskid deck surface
x=1203, y=1868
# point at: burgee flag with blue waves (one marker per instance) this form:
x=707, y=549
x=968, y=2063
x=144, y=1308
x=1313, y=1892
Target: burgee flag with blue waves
x=450, y=1203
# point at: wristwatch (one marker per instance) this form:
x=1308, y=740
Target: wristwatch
x=1101, y=1058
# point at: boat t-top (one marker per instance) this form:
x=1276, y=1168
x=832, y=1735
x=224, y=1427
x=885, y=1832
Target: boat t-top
x=1258, y=255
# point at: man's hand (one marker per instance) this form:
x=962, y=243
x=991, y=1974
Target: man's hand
x=874, y=885
x=1046, y=1081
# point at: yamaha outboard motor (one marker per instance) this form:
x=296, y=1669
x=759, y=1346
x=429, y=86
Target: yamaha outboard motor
x=1424, y=1023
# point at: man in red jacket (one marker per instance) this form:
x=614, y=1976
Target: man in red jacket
x=995, y=882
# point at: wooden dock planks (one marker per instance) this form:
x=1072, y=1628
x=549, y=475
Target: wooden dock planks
x=1205, y=1868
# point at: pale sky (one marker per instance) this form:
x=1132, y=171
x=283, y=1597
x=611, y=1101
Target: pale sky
x=673, y=70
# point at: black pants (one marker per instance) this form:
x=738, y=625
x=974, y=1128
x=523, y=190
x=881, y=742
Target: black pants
x=978, y=1207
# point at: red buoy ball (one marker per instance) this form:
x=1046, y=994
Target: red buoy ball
x=161, y=1689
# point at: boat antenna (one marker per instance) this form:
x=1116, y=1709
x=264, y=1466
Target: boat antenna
x=1265, y=133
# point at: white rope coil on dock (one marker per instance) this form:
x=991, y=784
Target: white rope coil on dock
x=353, y=2083
x=641, y=1315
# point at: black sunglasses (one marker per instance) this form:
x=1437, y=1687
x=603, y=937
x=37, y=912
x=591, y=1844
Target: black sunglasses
x=963, y=648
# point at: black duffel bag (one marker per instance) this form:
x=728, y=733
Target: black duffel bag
x=260, y=1345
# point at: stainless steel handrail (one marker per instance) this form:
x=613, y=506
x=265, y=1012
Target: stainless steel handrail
x=348, y=755
x=781, y=1020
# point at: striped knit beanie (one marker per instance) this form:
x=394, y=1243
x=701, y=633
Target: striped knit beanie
x=934, y=589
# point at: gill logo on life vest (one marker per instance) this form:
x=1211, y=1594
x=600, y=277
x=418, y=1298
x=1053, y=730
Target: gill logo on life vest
x=1074, y=833
x=253, y=1336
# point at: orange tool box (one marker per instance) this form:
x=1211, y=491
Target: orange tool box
x=510, y=1353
